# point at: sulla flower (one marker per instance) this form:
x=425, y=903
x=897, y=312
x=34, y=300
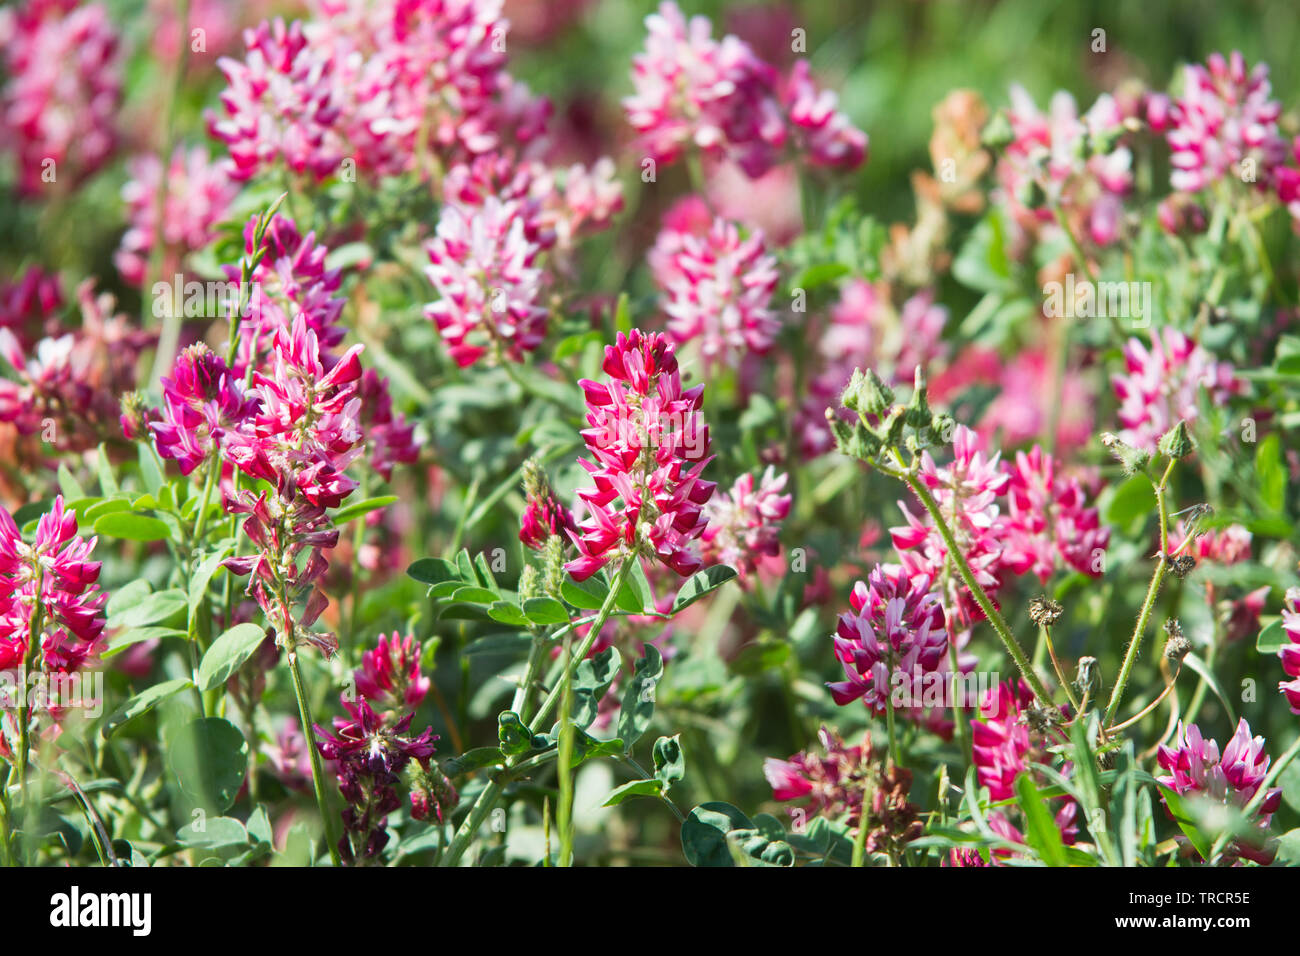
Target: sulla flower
x=199, y=195
x=370, y=756
x=827, y=136
x=280, y=105
x=1048, y=524
x=1224, y=124
x=1233, y=779
x=1290, y=653
x=892, y=639
x=482, y=265
x=716, y=289
x=648, y=449
x=745, y=523
x=1162, y=383
x=50, y=583
x=390, y=676
x=64, y=85
x=202, y=403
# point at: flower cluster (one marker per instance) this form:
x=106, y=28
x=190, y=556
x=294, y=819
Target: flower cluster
x=48, y=591
x=1162, y=383
x=648, y=449
x=745, y=523
x=1048, y=523
x=199, y=193
x=1224, y=123
x=1290, y=652
x=1195, y=767
x=892, y=640
x=716, y=289
x=721, y=98
x=389, y=676
x=57, y=109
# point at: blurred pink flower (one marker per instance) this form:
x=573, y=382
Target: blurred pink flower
x=745, y=523
x=1048, y=524
x=1162, y=383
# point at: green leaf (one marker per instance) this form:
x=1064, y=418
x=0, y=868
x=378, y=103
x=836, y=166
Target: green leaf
x=639, y=696
x=633, y=788
x=701, y=583
x=143, y=702
x=433, y=571
x=704, y=833
x=68, y=485
x=475, y=759
x=634, y=597
x=202, y=577
x=149, y=471
x=1272, y=638
x=104, y=470
x=209, y=833
x=472, y=594
x=132, y=527
x=1272, y=473
x=136, y=635
x=591, y=679
x=1132, y=502
x=359, y=508
x=1041, y=830
x=228, y=653
x=153, y=608
x=1186, y=822
x=1204, y=671
x=209, y=757
x=587, y=595
x=544, y=611
x=670, y=761
x=505, y=612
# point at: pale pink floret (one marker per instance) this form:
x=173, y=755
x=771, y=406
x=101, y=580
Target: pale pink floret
x=1196, y=769
x=745, y=523
x=892, y=640
x=483, y=268
x=1163, y=382
x=280, y=105
x=1224, y=120
x=827, y=136
x=649, y=448
x=199, y=194
x=1290, y=653
x=64, y=87
x=1048, y=522
x=55, y=574
x=716, y=289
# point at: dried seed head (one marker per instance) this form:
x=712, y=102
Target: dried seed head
x=1177, y=646
x=1044, y=611
x=1183, y=565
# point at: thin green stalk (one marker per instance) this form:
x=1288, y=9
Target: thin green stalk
x=1157, y=578
x=564, y=764
x=24, y=693
x=490, y=794
x=317, y=774
x=990, y=611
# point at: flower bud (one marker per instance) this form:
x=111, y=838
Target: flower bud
x=1177, y=443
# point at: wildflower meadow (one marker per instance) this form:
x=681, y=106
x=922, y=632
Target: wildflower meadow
x=486, y=433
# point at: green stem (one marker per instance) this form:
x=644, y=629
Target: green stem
x=990, y=611
x=317, y=774
x=1153, y=590
x=490, y=794
x=24, y=693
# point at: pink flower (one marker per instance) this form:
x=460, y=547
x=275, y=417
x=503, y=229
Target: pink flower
x=64, y=87
x=648, y=449
x=1224, y=119
x=30, y=304
x=290, y=282
x=832, y=782
x=828, y=138
x=54, y=580
x=692, y=90
x=716, y=288
x=1018, y=413
x=388, y=437
x=544, y=517
x=1048, y=522
x=967, y=491
x=1226, y=546
x=1196, y=768
x=279, y=105
x=202, y=402
x=1060, y=157
x=745, y=524
x=895, y=635
x=1003, y=747
x=1162, y=384
x=1290, y=653
x=389, y=676
x=482, y=266
x=199, y=194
